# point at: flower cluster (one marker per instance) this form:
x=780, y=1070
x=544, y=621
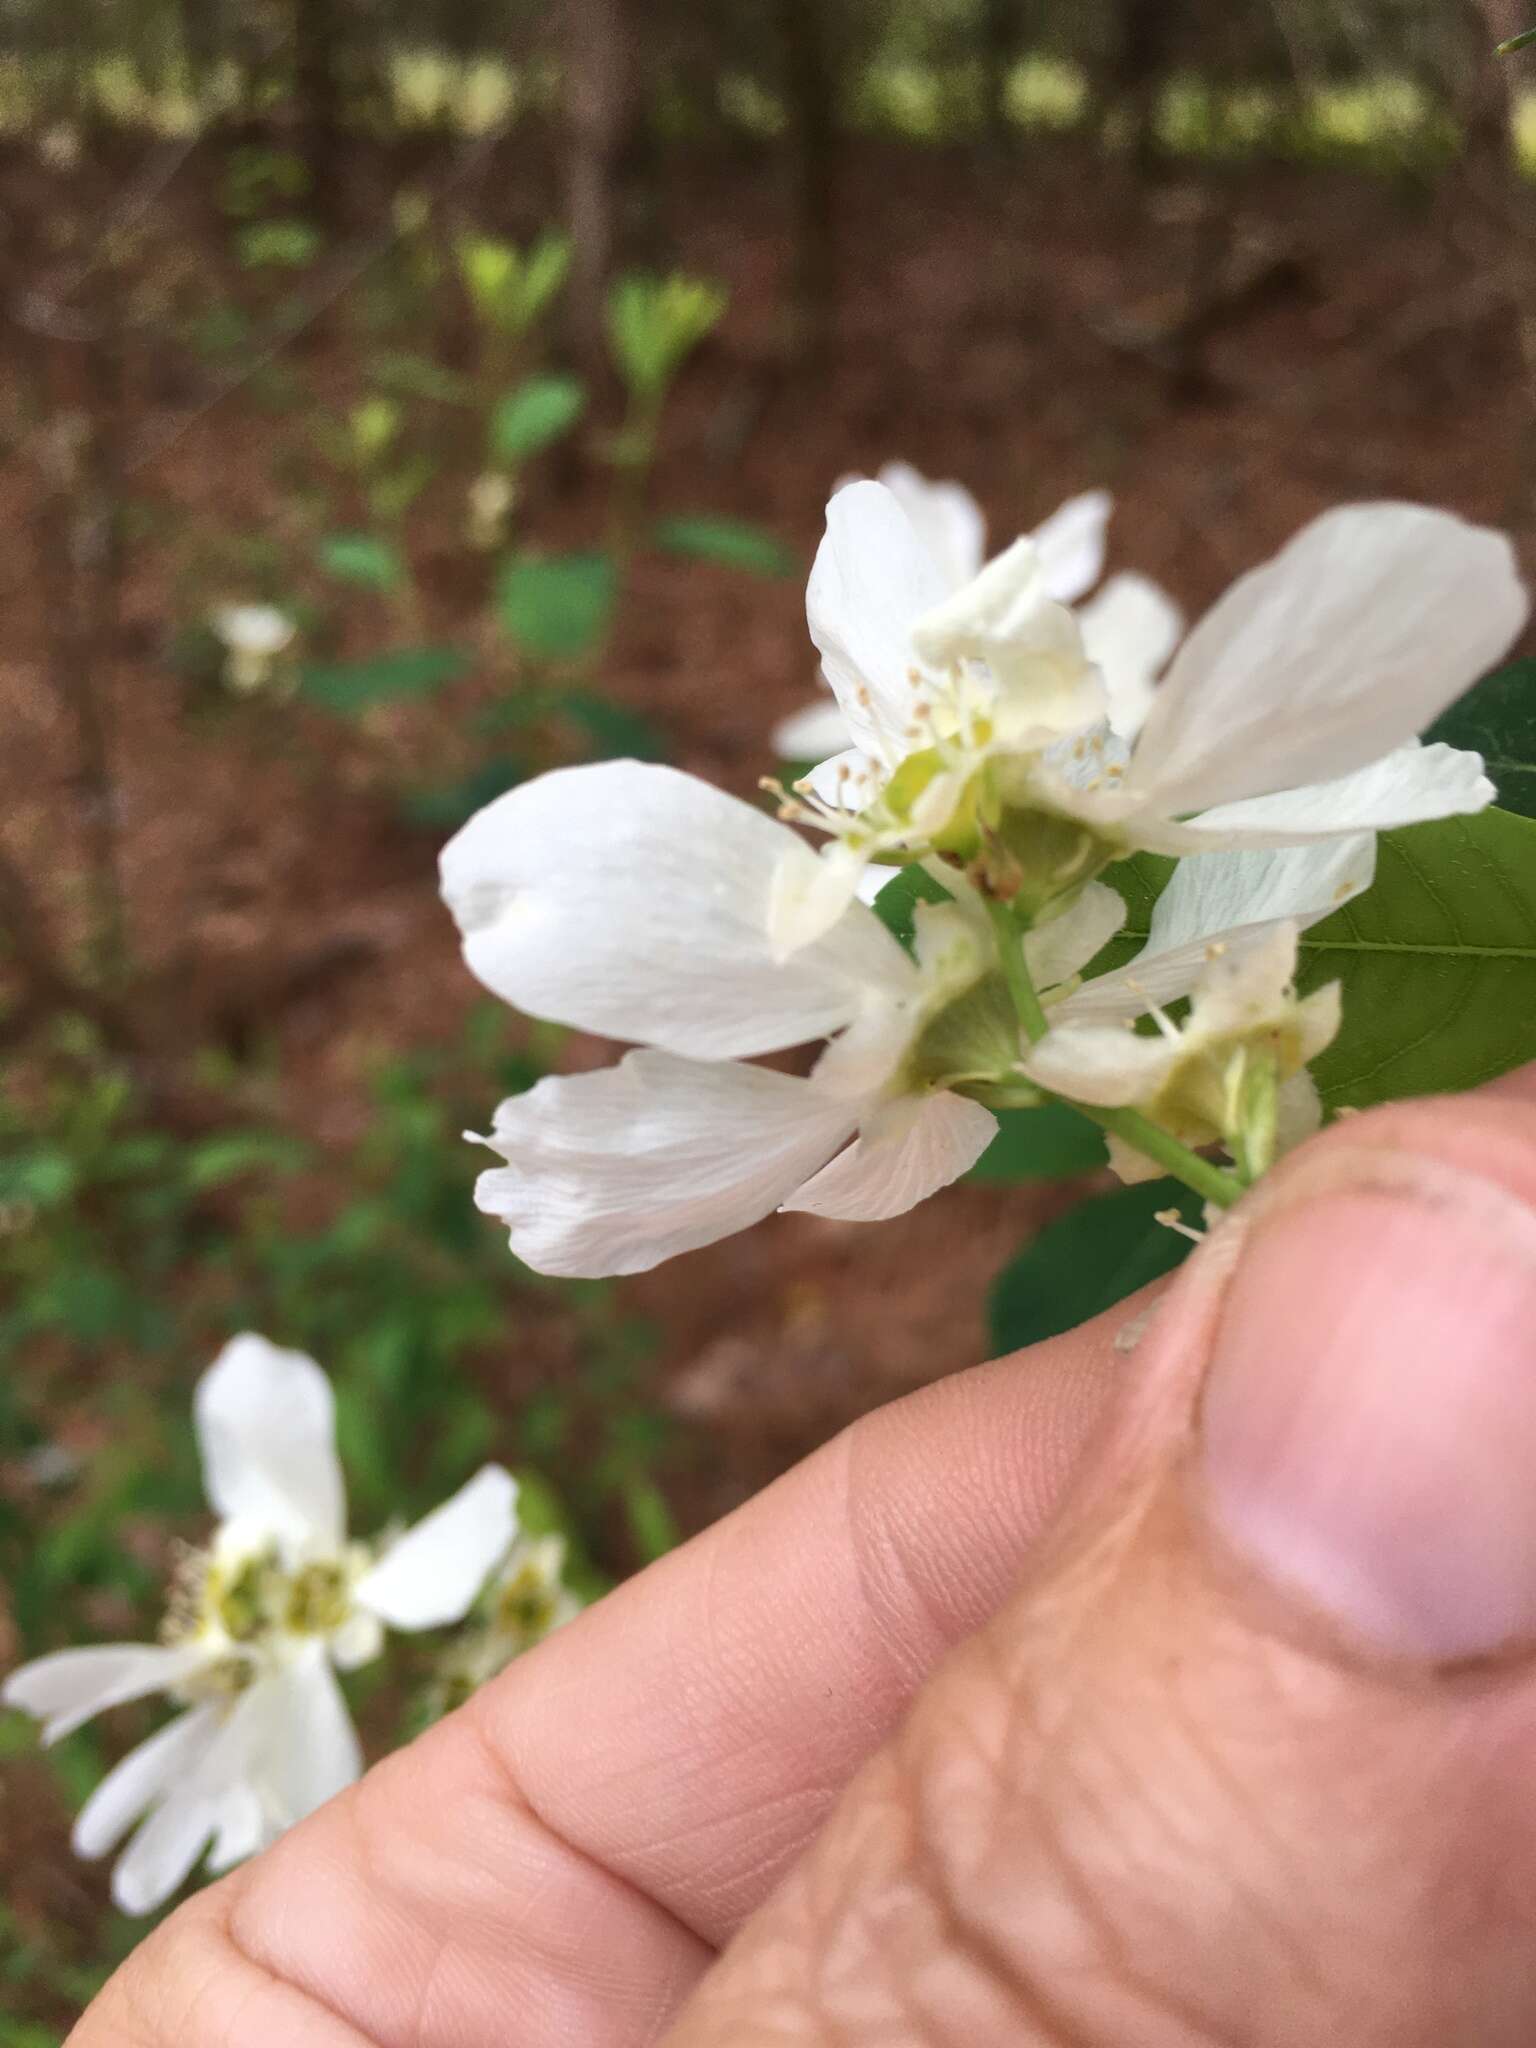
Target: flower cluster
x=259, y=1624
x=527, y=1600
x=1007, y=750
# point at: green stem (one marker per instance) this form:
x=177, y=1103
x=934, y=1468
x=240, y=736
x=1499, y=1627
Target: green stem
x=1128, y=1124
x=1213, y=1182
x=1010, y=946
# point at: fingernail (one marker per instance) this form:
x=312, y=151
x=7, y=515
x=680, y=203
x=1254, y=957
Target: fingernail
x=1369, y=1420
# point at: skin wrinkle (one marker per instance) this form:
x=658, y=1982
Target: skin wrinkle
x=973, y=1940
x=513, y=1792
x=565, y=1989
x=201, y=1941
x=906, y=1651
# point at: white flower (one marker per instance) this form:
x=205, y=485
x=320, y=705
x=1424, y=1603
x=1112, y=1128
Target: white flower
x=633, y=901
x=526, y=1601
x=1225, y=932
x=1290, y=714
x=935, y=681
x=1233, y=1072
x=1131, y=628
x=256, y=636
x=262, y=1620
x=489, y=505
x=528, y=1598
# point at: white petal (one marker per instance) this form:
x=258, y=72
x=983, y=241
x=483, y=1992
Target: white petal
x=1211, y=895
x=614, y=1172
x=1129, y=630
x=1352, y=640
x=1299, y=1112
x=846, y=782
x=139, y=1780
x=1232, y=900
x=242, y=1828
x=1101, y=1063
x=1129, y=1163
x=873, y=880
x=1030, y=643
x=309, y=1749
x=909, y=1151
x=259, y=629
x=199, y=1805
x=160, y=1858
x=949, y=522
x=631, y=900
x=871, y=579
x=266, y=1427
x=1058, y=950
x=1245, y=985
x=811, y=896
x=357, y=1642
x=813, y=733
x=431, y=1575
x=1407, y=787
x=69, y=1688
x=1071, y=544
x=1321, y=1015
x=1152, y=979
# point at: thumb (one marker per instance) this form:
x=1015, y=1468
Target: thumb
x=1249, y=1759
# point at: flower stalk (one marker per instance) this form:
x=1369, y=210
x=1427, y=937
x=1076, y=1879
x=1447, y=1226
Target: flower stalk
x=1211, y=1181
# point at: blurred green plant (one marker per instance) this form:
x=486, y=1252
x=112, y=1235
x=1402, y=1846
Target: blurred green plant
x=128, y=1252
x=509, y=288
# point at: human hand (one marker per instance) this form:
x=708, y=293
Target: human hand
x=1235, y=1747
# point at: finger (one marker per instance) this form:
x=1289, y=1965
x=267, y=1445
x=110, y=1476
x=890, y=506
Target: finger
x=1249, y=1757
x=555, y=1862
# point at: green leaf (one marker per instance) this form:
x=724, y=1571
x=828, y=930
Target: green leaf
x=557, y=607
x=1049, y=1143
x=731, y=542
x=652, y=1527
x=613, y=731
x=447, y=807
x=216, y=1161
x=536, y=413
x=418, y=376
x=1437, y=961
x=896, y=905
x=349, y=688
x=1088, y=1260
x=43, y=1178
x=278, y=245
x=1498, y=721
x=654, y=323
x=362, y=558
x=610, y=731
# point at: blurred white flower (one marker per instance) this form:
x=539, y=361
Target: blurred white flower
x=1130, y=629
x=488, y=509
x=526, y=1601
x=259, y=1624
x=1289, y=715
x=255, y=637
x=633, y=901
